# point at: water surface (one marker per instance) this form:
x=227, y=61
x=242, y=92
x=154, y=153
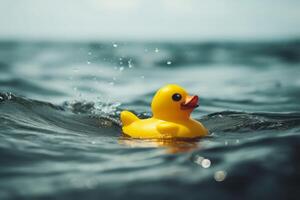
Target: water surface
x=60, y=129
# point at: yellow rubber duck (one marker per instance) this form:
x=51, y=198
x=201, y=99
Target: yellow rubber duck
x=171, y=107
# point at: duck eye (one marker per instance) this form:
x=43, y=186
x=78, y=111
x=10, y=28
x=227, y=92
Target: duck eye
x=176, y=97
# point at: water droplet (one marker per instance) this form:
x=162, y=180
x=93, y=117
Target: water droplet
x=142, y=77
x=89, y=53
x=88, y=62
x=129, y=64
x=120, y=59
x=115, y=45
x=121, y=63
x=111, y=83
x=146, y=50
x=198, y=159
x=156, y=50
x=169, y=63
x=121, y=69
x=205, y=163
x=9, y=96
x=220, y=175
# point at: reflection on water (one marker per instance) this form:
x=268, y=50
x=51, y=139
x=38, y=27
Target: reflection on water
x=171, y=145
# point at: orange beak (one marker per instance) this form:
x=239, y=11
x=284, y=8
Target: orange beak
x=191, y=102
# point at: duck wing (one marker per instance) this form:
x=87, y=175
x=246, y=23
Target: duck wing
x=167, y=128
x=128, y=117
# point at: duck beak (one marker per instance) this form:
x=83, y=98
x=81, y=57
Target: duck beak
x=191, y=102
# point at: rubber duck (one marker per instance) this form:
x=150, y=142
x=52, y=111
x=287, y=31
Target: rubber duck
x=171, y=107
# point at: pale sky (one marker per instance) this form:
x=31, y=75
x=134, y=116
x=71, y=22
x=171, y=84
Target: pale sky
x=149, y=19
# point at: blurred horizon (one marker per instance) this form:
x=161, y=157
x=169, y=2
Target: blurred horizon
x=164, y=20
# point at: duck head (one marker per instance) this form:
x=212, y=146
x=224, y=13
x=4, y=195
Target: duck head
x=172, y=102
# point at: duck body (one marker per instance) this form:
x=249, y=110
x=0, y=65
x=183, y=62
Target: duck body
x=171, y=107
x=157, y=128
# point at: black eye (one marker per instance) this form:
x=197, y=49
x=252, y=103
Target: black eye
x=176, y=97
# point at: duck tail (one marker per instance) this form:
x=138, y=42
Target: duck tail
x=128, y=117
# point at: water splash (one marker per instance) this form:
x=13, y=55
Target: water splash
x=101, y=108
